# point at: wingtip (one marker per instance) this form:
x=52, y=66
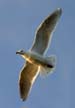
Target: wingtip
x=59, y=10
x=57, y=13
x=23, y=98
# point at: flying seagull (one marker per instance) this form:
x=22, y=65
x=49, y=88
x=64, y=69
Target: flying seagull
x=36, y=61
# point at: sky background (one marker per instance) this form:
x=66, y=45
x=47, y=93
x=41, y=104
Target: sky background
x=19, y=20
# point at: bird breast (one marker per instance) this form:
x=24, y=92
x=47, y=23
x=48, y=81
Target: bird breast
x=37, y=59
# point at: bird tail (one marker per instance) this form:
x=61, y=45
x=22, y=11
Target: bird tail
x=48, y=69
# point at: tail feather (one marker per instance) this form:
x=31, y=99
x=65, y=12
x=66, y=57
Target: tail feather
x=51, y=60
x=45, y=70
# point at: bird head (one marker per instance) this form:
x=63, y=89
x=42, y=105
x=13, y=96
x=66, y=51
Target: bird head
x=21, y=52
x=24, y=54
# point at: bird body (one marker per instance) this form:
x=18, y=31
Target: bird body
x=36, y=61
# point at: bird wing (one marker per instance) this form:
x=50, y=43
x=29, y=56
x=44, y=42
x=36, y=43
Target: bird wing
x=43, y=34
x=27, y=78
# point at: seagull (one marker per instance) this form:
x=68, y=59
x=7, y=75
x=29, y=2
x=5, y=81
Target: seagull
x=36, y=61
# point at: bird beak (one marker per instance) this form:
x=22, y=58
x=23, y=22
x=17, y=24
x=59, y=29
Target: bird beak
x=21, y=52
x=17, y=52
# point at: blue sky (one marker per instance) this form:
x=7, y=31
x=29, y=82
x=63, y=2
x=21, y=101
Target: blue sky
x=19, y=20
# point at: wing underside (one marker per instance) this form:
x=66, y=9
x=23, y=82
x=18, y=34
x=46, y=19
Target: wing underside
x=43, y=34
x=27, y=78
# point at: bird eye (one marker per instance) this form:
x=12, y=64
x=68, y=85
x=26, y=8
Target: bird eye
x=21, y=51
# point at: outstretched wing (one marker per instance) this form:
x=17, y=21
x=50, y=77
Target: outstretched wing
x=27, y=78
x=43, y=35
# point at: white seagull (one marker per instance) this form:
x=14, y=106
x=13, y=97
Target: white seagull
x=36, y=61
